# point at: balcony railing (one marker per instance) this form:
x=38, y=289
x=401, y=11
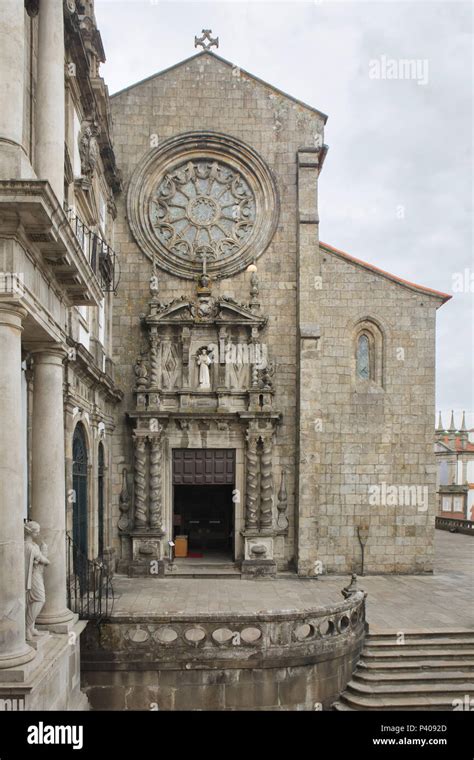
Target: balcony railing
x=101, y=257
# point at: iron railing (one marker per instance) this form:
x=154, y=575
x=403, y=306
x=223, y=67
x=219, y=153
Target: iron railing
x=90, y=593
x=100, y=256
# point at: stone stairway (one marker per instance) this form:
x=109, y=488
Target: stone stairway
x=429, y=671
x=202, y=569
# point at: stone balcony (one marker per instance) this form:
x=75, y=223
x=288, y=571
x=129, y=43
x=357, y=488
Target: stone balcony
x=47, y=242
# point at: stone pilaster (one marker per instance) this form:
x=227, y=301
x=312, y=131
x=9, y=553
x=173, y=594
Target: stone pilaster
x=48, y=487
x=50, y=113
x=309, y=402
x=13, y=648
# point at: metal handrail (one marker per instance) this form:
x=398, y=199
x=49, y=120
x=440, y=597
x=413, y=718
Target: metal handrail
x=90, y=592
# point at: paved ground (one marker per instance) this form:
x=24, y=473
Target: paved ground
x=403, y=602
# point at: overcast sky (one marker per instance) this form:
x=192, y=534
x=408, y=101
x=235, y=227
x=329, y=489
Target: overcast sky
x=396, y=189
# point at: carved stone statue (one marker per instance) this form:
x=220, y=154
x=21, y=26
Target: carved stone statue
x=266, y=375
x=141, y=374
x=204, y=361
x=88, y=148
x=35, y=561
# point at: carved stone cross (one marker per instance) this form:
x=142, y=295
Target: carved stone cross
x=211, y=41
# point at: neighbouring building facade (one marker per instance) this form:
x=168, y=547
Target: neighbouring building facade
x=455, y=456
x=58, y=275
x=180, y=356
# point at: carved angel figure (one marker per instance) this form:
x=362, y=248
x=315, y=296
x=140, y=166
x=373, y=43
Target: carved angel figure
x=35, y=561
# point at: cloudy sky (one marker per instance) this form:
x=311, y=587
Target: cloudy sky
x=395, y=78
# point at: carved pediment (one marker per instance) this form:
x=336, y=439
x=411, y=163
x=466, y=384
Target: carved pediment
x=204, y=310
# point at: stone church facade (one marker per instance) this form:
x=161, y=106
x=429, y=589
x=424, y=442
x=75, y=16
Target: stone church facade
x=217, y=232
x=174, y=334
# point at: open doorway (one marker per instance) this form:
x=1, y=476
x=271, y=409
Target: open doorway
x=203, y=505
x=205, y=515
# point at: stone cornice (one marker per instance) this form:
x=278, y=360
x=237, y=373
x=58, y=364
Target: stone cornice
x=98, y=379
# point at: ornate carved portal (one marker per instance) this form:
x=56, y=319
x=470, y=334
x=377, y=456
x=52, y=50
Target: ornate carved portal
x=203, y=380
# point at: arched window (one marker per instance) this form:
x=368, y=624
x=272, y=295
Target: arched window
x=100, y=500
x=363, y=357
x=368, y=352
x=79, y=484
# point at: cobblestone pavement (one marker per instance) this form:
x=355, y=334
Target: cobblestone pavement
x=401, y=602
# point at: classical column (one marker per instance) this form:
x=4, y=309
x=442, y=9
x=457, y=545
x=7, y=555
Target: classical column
x=48, y=487
x=266, y=481
x=50, y=118
x=156, y=465
x=14, y=163
x=13, y=649
x=251, y=511
x=139, y=481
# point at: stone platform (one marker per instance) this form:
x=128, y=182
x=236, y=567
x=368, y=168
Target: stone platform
x=287, y=643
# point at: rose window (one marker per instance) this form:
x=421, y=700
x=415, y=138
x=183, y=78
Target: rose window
x=203, y=208
x=202, y=199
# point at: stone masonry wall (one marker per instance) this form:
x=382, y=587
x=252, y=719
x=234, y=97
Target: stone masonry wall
x=207, y=94
x=374, y=433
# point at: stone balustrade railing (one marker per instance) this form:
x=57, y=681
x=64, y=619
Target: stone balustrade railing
x=455, y=525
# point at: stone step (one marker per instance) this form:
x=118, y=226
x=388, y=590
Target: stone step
x=382, y=665
x=405, y=652
x=435, y=641
x=348, y=701
x=208, y=570
x=460, y=633
x=437, y=675
x=444, y=688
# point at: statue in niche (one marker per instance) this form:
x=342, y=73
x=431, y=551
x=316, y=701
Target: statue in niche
x=88, y=147
x=204, y=361
x=35, y=560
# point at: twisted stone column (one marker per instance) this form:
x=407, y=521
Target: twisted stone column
x=252, y=495
x=156, y=464
x=139, y=480
x=154, y=361
x=266, y=483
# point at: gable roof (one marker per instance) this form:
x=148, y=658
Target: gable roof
x=398, y=280
x=232, y=66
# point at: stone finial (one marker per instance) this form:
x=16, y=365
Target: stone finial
x=452, y=426
x=463, y=427
x=206, y=41
x=440, y=428
x=35, y=560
